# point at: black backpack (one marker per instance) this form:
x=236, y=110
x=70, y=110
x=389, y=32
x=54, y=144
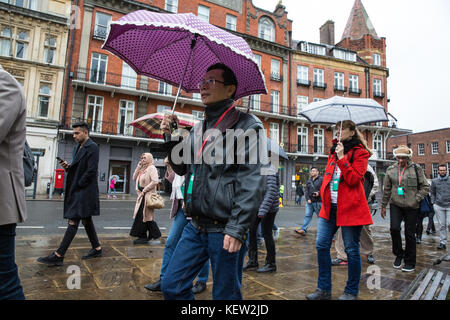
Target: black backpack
x=29, y=168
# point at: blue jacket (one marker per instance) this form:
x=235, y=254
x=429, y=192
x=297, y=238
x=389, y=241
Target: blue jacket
x=271, y=201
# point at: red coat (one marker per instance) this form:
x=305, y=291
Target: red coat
x=352, y=207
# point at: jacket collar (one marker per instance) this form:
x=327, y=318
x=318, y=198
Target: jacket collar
x=81, y=151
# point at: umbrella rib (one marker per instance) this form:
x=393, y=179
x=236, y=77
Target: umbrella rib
x=207, y=44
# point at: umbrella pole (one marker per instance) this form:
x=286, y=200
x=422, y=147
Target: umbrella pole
x=340, y=132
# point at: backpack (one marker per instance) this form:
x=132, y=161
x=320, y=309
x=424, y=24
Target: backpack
x=29, y=168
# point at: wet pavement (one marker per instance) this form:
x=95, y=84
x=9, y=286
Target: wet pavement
x=125, y=268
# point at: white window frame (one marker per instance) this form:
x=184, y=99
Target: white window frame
x=302, y=74
x=164, y=88
x=434, y=170
x=275, y=72
x=97, y=116
x=319, y=76
x=255, y=102
x=100, y=28
x=44, y=96
x=275, y=101
x=163, y=108
x=198, y=115
x=196, y=96
x=319, y=140
x=258, y=59
x=377, y=144
x=50, y=46
x=274, y=131
x=435, y=147
x=231, y=22
x=6, y=40
x=172, y=6
x=339, y=80
x=421, y=149
x=376, y=59
x=353, y=82
x=24, y=42
x=302, y=101
x=302, y=143
x=266, y=29
x=98, y=59
x=203, y=12
x=377, y=86
x=129, y=77
x=127, y=106
x=448, y=147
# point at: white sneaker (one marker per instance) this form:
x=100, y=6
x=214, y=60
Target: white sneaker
x=276, y=234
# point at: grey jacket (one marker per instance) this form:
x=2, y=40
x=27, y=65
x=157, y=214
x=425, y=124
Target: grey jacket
x=440, y=191
x=12, y=141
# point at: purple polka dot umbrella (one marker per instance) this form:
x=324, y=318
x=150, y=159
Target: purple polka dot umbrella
x=178, y=49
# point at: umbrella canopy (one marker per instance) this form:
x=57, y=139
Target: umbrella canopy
x=151, y=123
x=335, y=109
x=178, y=49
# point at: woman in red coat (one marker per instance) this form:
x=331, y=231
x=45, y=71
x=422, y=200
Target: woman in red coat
x=343, y=205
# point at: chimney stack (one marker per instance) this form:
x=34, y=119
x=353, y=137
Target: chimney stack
x=327, y=33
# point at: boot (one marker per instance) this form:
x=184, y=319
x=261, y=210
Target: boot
x=268, y=267
x=252, y=263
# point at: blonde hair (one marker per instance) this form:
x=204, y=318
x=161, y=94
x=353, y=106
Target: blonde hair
x=348, y=124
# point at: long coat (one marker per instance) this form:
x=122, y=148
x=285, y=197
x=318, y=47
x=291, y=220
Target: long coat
x=12, y=140
x=149, y=181
x=352, y=207
x=81, y=195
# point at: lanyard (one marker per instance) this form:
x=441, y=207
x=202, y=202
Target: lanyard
x=217, y=123
x=400, y=175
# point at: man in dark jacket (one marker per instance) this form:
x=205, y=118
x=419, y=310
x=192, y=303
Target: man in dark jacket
x=81, y=200
x=313, y=200
x=266, y=215
x=221, y=198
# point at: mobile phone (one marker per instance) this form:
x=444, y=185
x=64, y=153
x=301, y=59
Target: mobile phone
x=59, y=159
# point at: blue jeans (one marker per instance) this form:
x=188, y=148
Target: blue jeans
x=299, y=200
x=10, y=288
x=176, y=229
x=351, y=235
x=310, y=208
x=192, y=251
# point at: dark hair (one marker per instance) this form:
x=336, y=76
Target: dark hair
x=442, y=165
x=358, y=135
x=228, y=75
x=82, y=125
x=314, y=168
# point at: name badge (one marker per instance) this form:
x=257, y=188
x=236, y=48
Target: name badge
x=400, y=191
x=335, y=184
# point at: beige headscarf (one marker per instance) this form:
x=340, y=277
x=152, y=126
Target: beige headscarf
x=148, y=161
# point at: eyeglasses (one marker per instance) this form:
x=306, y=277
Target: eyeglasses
x=208, y=82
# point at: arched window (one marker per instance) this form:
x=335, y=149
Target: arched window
x=266, y=29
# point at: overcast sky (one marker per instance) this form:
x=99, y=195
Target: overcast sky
x=417, y=36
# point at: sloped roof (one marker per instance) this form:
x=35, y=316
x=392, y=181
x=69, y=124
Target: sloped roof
x=359, y=23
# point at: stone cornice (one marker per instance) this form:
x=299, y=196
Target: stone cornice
x=34, y=14
x=122, y=6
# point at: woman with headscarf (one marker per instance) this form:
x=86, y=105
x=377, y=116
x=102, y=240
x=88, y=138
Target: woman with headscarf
x=146, y=177
x=343, y=205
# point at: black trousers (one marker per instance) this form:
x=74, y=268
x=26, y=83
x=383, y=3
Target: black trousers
x=409, y=216
x=266, y=226
x=72, y=231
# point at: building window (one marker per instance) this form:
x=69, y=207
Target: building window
x=421, y=149
x=49, y=50
x=163, y=109
x=5, y=42
x=344, y=55
x=98, y=68
x=302, y=74
x=317, y=99
x=231, y=22
x=129, y=76
x=302, y=102
x=448, y=146
x=94, y=112
x=274, y=132
x=102, y=21
x=435, y=148
x=22, y=44
x=319, y=77
x=275, y=101
x=318, y=141
x=258, y=59
x=126, y=115
x=378, y=145
x=302, y=139
x=198, y=115
x=164, y=88
x=266, y=29
x=196, y=96
x=203, y=13
x=376, y=59
x=377, y=87
x=313, y=48
x=172, y=6
x=422, y=165
x=354, y=85
x=44, y=100
x=275, y=69
x=434, y=170
x=339, y=81
x=255, y=102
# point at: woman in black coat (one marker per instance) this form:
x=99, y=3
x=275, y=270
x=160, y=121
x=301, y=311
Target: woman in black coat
x=266, y=215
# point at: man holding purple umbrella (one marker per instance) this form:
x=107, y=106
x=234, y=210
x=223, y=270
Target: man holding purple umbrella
x=221, y=198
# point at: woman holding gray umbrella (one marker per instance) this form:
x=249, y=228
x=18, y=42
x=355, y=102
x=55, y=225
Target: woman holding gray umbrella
x=345, y=206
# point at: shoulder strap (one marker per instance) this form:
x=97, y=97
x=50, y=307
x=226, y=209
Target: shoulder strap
x=417, y=175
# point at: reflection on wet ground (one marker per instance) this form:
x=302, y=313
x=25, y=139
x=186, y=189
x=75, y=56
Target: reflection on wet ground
x=125, y=268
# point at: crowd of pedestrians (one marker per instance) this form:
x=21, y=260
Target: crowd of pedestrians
x=217, y=210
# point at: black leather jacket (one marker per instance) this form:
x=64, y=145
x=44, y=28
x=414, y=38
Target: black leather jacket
x=225, y=197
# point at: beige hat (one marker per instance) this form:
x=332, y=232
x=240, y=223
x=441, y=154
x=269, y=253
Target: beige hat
x=403, y=151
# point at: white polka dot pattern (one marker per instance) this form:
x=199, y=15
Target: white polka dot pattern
x=158, y=45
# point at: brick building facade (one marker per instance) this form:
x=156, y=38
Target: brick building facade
x=430, y=149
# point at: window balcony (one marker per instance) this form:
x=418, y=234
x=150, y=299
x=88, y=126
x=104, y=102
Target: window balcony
x=355, y=91
x=303, y=83
x=339, y=88
x=276, y=76
x=378, y=94
x=100, y=33
x=320, y=85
